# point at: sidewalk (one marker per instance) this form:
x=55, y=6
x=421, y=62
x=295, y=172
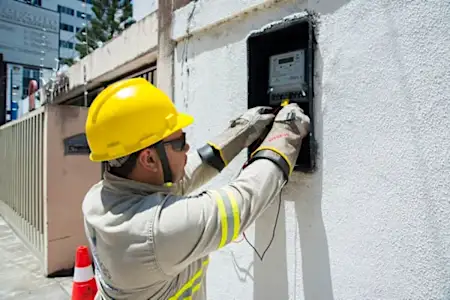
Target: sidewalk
x=21, y=276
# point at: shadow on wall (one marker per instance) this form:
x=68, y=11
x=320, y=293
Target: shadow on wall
x=270, y=275
x=317, y=282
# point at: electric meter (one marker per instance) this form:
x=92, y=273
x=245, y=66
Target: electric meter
x=287, y=76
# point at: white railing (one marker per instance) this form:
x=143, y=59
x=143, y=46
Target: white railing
x=21, y=178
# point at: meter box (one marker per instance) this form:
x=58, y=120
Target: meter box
x=280, y=60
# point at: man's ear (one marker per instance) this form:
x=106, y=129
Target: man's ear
x=148, y=159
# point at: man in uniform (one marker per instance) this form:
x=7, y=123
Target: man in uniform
x=149, y=234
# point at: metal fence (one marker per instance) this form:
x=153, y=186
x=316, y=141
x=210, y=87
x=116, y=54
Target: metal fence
x=149, y=74
x=21, y=177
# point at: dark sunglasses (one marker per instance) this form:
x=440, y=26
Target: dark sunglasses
x=178, y=144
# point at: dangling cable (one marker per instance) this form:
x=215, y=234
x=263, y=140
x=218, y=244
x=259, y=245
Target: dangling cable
x=261, y=257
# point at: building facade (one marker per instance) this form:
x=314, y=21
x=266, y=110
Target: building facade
x=75, y=14
x=29, y=43
x=72, y=16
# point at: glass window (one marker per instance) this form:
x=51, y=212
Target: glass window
x=66, y=10
x=66, y=44
x=66, y=27
x=33, y=2
x=81, y=15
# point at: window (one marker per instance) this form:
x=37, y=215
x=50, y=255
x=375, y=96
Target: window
x=66, y=10
x=66, y=44
x=66, y=27
x=81, y=14
x=34, y=2
x=79, y=29
x=87, y=1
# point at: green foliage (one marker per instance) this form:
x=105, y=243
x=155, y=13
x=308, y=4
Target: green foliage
x=109, y=18
x=67, y=61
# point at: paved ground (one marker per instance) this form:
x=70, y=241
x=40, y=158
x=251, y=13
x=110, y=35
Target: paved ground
x=20, y=272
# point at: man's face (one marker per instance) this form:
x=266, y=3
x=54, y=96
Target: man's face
x=176, y=150
x=150, y=165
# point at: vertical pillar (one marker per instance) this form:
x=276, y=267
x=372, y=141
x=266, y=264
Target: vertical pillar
x=165, y=67
x=165, y=72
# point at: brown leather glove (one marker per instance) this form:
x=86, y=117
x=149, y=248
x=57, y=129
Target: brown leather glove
x=241, y=133
x=282, y=143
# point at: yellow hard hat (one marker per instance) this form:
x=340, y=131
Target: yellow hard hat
x=130, y=115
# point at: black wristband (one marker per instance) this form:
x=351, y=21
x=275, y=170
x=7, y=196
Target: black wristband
x=211, y=156
x=275, y=158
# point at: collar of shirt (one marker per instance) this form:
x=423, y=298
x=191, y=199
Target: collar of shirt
x=127, y=186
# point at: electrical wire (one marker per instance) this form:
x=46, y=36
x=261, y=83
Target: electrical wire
x=261, y=256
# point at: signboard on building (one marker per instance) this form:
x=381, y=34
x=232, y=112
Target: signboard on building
x=29, y=34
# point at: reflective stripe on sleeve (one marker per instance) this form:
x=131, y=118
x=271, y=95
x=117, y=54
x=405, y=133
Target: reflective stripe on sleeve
x=191, y=286
x=229, y=216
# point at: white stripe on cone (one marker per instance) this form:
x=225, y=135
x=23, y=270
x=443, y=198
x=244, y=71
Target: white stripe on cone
x=83, y=274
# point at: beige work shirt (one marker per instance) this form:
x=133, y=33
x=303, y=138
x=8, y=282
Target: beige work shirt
x=151, y=242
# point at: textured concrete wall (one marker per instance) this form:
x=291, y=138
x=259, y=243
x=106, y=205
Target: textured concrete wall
x=373, y=222
x=69, y=177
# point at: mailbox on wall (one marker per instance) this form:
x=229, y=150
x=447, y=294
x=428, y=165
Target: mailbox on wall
x=280, y=66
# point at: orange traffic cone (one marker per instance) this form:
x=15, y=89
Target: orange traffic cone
x=84, y=286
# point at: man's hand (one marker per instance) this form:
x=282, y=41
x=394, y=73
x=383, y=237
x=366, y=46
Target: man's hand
x=256, y=120
x=241, y=133
x=294, y=115
x=283, y=142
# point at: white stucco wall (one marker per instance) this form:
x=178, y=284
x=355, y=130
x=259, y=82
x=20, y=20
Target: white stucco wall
x=374, y=221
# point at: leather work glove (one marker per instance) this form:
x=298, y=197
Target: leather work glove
x=283, y=142
x=241, y=133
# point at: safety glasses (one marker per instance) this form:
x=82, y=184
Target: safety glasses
x=178, y=144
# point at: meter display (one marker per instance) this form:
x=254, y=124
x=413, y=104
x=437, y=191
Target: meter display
x=287, y=76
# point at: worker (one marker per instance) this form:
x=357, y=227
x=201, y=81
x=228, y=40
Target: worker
x=150, y=227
